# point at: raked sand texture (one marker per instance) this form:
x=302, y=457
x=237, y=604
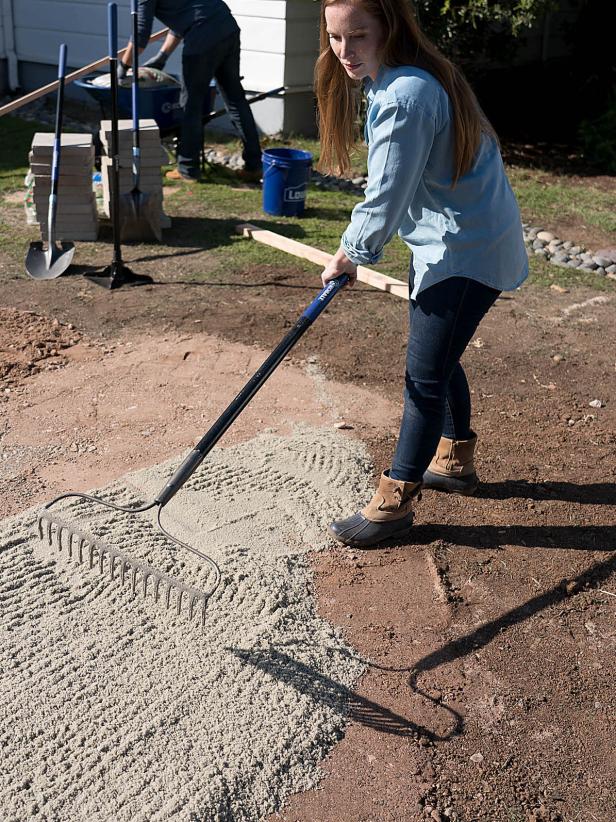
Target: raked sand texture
x=115, y=709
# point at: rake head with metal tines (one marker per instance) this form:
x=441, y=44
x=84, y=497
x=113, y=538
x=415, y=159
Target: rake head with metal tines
x=110, y=560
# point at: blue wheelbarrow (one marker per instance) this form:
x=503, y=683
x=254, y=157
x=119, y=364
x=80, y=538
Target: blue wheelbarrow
x=159, y=103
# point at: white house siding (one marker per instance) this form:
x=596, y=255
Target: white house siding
x=279, y=46
x=41, y=25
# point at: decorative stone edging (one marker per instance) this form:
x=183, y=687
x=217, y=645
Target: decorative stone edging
x=567, y=254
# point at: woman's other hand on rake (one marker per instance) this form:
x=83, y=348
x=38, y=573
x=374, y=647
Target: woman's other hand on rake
x=339, y=264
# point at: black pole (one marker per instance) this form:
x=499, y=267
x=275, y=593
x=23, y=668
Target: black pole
x=115, y=162
x=117, y=274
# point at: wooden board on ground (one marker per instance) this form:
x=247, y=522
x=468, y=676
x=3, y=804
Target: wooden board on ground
x=316, y=255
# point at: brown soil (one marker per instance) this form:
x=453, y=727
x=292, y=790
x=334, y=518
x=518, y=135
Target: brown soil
x=491, y=634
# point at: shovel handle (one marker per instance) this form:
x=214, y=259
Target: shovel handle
x=62, y=62
x=55, y=162
x=134, y=12
x=57, y=141
x=112, y=35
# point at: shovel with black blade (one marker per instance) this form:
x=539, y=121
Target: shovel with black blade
x=41, y=263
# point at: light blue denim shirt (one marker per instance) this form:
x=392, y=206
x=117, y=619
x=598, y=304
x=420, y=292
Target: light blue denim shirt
x=472, y=230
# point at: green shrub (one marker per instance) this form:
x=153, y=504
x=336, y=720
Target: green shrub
x=469, y=31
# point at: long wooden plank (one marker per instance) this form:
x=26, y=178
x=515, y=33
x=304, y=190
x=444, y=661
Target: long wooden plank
x=316, y=255
x=75, y=75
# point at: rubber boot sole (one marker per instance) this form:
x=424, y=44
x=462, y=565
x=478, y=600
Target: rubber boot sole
x=465, y=486
x=358, y=532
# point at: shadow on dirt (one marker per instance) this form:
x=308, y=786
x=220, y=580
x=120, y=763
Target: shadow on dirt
x=561, y=537
x=326, y=691
x=470, y=643
x=198, y=234
x=597, y=493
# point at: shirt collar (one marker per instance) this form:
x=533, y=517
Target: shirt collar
x=373, y=85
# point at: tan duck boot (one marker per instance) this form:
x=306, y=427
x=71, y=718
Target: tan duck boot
x=452, y=468
x=388, y=514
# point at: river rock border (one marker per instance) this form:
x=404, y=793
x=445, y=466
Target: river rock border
x=566, y=254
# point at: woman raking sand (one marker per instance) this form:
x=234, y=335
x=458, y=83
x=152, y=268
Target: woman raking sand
x=436, y=177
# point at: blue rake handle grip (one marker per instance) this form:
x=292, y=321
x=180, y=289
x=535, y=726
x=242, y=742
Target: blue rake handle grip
x=234, y=409
x=325, y=296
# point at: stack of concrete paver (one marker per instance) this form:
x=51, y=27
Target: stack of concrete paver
x=153, y=155
x=76, y=216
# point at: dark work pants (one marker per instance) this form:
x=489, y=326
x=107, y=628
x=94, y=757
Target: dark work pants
x=437, y=399
x=221, y=62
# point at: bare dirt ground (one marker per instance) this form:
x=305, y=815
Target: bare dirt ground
x=492, y=632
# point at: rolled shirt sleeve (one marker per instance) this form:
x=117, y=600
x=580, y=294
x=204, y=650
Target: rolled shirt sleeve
x=399, y=131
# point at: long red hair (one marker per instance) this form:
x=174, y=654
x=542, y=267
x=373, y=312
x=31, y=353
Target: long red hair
x=405, y=45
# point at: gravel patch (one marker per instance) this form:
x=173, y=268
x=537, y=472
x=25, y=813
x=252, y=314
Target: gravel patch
x=113, y=708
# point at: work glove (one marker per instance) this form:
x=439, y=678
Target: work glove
x=156, y=62
x=122, y=69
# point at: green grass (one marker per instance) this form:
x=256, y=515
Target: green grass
x=15, y=139
x=543, y=197
x=206, y=215
x=228, y=142
x=223, y=205
x=546, y=199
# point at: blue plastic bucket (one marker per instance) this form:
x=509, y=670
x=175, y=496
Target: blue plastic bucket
x=286, y=172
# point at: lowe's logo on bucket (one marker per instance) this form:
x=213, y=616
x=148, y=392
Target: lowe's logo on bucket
x=168, y=107
x=295, y=194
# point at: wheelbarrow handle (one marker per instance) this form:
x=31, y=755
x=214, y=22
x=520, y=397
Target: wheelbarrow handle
x=74, y=75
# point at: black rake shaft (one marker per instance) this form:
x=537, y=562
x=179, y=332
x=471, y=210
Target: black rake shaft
x=233, y=410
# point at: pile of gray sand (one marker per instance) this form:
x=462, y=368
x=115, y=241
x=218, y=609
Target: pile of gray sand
x=115, y=709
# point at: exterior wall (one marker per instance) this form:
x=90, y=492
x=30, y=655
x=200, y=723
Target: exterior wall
x=40, y=27
x=4, y=54
x=279, y=46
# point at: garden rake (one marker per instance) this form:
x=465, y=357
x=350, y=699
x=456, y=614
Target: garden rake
x=141, y=575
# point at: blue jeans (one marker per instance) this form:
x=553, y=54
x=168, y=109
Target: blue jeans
x=437, y=399
x=222, y=62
